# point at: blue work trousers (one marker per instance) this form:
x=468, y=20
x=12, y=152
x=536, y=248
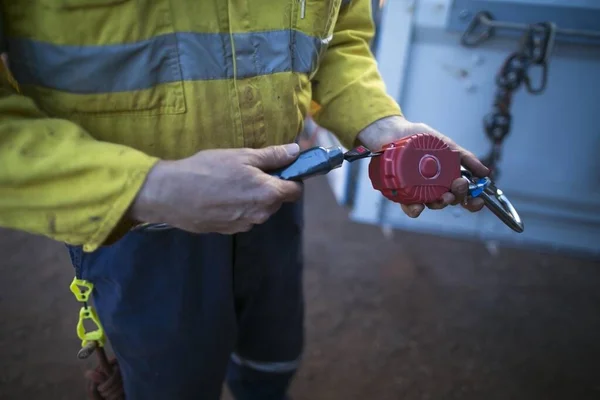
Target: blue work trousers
x=185, y=312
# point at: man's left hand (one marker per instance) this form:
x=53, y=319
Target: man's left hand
x=391, y=129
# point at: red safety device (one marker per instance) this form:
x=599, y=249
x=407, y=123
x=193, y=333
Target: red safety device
x=416, y=169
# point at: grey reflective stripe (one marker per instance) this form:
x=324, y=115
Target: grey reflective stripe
x=95, y=69
x=272, y=367
x=209, y=56
x=162, y=59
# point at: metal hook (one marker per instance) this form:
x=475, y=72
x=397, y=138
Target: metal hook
x=545, y=43
x=498, y=203
x=495, y=200
x=469, y=39
x=545, y=49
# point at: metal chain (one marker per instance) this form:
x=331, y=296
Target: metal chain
x=534, y=50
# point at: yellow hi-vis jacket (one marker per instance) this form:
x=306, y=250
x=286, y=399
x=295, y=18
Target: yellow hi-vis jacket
x=107, y=87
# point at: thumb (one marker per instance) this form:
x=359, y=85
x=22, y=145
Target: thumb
x=273, y=157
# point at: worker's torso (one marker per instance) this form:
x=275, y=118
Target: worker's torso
x=171, y=77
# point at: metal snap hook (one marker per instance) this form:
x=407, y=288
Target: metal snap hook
x=495, y=200
x=498, y=203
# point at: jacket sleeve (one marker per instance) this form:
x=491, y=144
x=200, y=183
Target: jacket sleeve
x=348, y=89
x=58, y=181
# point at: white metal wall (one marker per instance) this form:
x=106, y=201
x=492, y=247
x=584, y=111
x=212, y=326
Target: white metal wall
x=550, y=167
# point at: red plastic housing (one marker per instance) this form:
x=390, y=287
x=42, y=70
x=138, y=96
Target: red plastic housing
x=417, y=169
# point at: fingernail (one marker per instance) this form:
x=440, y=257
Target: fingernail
x=292, y=149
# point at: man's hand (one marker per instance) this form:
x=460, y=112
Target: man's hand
x=222, y=191
x=388, y=130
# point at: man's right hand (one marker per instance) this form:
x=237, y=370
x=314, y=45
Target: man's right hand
x=223, y=191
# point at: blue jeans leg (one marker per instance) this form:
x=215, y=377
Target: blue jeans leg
x=165, y=300
x=249, y=383
x=176, y=306
x=269, y=307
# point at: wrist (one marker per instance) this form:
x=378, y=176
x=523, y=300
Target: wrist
x=146, y=206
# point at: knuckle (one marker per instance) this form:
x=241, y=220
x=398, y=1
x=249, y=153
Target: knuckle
x=224, y=229
x=246, y=227
x=246, y=153
x=270, y=195
x=271, y=153
x=242, y=226
x=254, y=158
x=261, y=217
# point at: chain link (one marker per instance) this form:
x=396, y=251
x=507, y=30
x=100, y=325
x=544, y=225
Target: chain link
x=534, y=50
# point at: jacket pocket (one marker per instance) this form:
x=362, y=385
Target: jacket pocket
x=317, y=17
x=94, y=57
x=123, y=79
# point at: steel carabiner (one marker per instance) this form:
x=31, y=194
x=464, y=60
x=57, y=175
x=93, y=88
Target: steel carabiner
x=495, y=200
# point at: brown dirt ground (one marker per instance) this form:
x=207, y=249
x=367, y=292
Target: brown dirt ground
x=414, y=317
